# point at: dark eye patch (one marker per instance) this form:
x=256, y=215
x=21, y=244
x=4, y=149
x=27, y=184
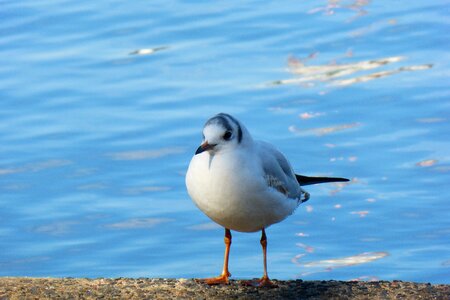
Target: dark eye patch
x=227, y=135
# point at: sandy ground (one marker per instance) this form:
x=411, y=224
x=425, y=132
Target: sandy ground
x=143, y=288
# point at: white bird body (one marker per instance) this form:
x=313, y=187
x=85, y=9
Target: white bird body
x=246, y=187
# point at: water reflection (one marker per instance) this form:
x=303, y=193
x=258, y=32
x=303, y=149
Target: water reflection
x=145, y=154
x=83, y=172
x=427, y=163
x=138, y=223
x=431, y=120
x=15, y=187
x=302, y=234
x=339, y=186
x=333, y=6
x=146, y=189
x=310, y=115
x=373, y=27
x=382, y=74
x=323, y=130
x=24, y=262
x=361, y=213
x=308, y=76
x=57, y=228
x=205, y=226
x=36, y=167
x=327, y=265
x=93, y=186
x=307, y=248
x=147, y=51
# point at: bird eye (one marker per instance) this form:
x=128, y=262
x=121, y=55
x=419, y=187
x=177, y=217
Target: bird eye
x=227, y=135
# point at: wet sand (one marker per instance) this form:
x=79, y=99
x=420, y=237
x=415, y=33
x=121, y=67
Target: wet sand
x=147, y=288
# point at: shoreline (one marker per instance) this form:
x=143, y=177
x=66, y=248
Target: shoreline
x=158, y=288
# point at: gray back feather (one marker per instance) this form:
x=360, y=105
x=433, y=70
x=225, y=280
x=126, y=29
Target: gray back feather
x=277, y=169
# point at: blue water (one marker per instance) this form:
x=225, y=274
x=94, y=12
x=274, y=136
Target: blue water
x=102, y=105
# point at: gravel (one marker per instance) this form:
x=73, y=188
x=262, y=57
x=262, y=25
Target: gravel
x=155, y=288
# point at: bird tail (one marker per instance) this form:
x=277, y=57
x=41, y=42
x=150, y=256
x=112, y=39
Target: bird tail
x=307, y=180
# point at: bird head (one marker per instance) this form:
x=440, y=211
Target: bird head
x=220, y=133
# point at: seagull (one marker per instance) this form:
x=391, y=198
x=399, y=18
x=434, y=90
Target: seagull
x=243, y=185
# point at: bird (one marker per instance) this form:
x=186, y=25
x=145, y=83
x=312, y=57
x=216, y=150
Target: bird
x=244, y=185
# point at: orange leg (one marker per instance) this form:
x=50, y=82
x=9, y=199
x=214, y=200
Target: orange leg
x=264, y=281
x=223, y=278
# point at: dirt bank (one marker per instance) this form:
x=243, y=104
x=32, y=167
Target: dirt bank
x=143, y=288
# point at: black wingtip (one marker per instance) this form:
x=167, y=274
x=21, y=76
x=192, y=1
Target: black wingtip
x=307, y=180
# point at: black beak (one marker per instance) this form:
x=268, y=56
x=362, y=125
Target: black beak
x=204, y=147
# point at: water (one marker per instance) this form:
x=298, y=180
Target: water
x=102, y=104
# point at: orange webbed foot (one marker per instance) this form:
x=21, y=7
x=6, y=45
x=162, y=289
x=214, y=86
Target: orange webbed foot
x=222, y=279
x=263, y=282
x=266, y=282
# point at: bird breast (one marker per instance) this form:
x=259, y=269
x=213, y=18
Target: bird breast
x=233, y=192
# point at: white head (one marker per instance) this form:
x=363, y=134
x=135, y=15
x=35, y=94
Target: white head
x=222, y=132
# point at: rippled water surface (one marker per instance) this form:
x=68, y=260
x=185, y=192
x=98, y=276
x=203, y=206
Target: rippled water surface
x=102, y=105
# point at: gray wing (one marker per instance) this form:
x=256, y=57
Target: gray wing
x=278, y=172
